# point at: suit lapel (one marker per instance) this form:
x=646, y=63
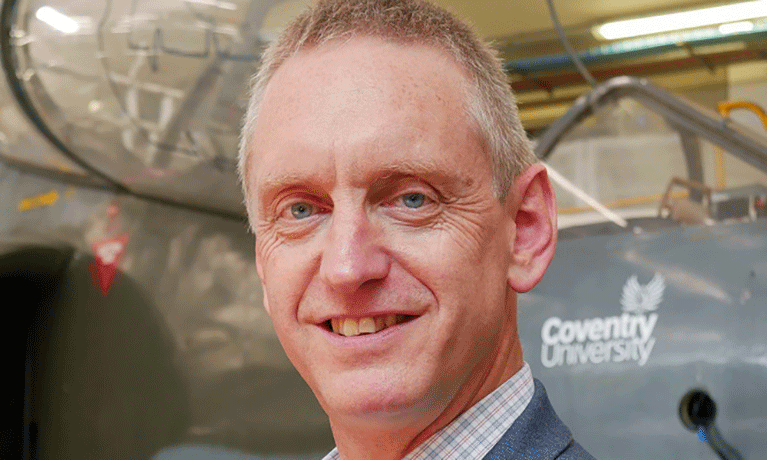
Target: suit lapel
x=536, y=434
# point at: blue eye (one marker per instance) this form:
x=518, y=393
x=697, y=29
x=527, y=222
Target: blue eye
x=413, y=200
x=301, y=210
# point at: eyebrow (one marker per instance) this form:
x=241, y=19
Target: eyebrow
x=278, y=181
x=431, y=172
x=275, y=183
x=377, y=178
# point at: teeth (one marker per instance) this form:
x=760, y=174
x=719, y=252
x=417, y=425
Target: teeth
x=350, y=327
x=367, y=326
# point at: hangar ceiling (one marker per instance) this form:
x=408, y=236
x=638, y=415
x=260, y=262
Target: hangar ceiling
x=524, y=29
x=149, y=94
x=521, y=21
x=513, y=20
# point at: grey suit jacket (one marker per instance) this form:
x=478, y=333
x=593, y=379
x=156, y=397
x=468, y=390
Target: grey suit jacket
x=538, y=434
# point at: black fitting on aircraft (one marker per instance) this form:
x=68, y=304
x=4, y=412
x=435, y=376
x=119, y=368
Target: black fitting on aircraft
x=697, y=410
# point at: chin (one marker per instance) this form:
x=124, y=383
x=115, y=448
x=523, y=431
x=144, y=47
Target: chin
x=378, y=399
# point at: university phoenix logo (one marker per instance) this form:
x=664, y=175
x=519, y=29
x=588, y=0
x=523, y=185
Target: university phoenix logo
x=627, y=337
x=638, y=299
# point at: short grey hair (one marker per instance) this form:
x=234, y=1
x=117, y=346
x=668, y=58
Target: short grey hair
x=491, y=103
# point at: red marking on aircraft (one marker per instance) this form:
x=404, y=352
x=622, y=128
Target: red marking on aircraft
x=107, y=253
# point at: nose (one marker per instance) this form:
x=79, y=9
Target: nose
x=353, y=253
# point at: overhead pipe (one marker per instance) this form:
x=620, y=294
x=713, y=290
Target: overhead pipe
x=628, y=49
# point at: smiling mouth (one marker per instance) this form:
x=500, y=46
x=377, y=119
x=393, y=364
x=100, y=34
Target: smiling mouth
x=351, y=327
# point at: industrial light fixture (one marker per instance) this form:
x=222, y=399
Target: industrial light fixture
x=736, y=27
x=735, y=12
x=57, y=20
x=215, y=4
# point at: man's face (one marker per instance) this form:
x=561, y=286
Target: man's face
x=373, y=206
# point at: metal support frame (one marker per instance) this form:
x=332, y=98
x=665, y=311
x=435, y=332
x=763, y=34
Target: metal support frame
x=694, y=121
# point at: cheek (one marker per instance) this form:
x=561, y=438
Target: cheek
x=465, y=286
x=455, y=254
x=467, y=276
x=287, y=272
x=267, y=242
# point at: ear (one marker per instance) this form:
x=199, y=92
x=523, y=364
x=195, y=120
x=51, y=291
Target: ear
x=260, y=270
x=532, y=206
